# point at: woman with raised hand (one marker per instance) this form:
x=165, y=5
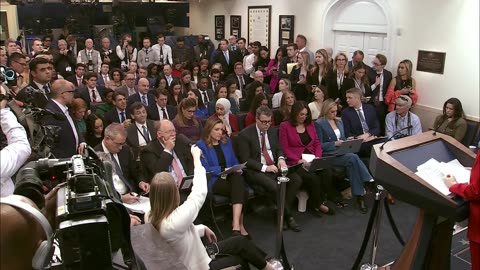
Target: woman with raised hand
x=218, y=156
x=174, y=223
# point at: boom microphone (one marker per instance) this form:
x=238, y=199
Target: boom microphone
x=395, y=134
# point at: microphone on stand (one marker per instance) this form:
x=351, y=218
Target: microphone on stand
x=395, y=134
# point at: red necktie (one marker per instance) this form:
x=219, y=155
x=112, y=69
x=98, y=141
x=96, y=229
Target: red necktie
x=177, y=170
x=267, y=157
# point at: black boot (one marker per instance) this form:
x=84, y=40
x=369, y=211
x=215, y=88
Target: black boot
x=361, y=204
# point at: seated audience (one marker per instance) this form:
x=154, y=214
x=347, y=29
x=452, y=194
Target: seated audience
x=142, y=130
x=206, y=94
x=142, y=94
x=286, y=103
x=202, y=110
x=218, y=156
x=283, y=86
x=94, y=134
x=331, y=134
x=90, y=92
x=186, y=82
x=168, y=152
x=452, y=121
x=259, y=147
x=397, y=121
x=317, y=101
x=175, y=223
x=107, y=106
x=233, y=92
x=402, y=84
x=152, y=74
x=230, y=121
x=119, y=114
x=123, y=163
x=78, y=112
x=259, y=100
x=221, y=92
x=160, y=109
x=253, y=89
x=298, y=137
x=185, y=122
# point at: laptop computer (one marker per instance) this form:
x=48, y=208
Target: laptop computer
x=350, y=146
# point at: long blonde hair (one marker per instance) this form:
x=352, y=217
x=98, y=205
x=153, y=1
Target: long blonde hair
x=164, y=198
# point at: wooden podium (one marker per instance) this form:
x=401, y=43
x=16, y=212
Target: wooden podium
x=394, y=168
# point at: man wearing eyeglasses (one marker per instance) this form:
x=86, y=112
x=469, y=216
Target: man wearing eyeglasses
x=18, y=63
x=380, y=79
x=168, y=153
x=70, y=140
x=259, y=146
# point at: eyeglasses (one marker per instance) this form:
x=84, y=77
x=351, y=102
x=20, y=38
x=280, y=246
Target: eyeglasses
x=265, y=122
x=23, y=64
x=341, y=59
x=403, y=98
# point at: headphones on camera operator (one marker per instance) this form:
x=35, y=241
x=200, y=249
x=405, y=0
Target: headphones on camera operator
x=44, y=250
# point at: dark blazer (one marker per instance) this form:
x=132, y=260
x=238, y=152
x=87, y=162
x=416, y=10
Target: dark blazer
x=136, y=98
x=127, y=164
x=313, y=78
x=154, y=114
x=154, y=159
x=100, y=80
x=210, y=94
x=66, y=146
x=61, y=62
x=387, y=78
x=227, y=68
x=327, y=136
x=113, y=117
x=292, y=144
x=246, y=79
x=124, y=89
x=238, y=55
x=332, y=87
x=83, y=93
x=302, y=91
x=39, y=99
x=210, y=159
x=249, y=148
x=352, y=124
x=73, y=79
x=132, y=136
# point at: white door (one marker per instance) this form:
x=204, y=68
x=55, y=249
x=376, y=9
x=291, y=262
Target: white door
x=370, y=43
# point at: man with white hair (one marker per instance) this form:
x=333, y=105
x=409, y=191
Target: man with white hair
x=398, y=122
x=90, y=57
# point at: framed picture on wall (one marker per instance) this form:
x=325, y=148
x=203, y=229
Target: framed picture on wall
x=286, y=28
x=236, y=25
x=259, y=20
x=219, y=27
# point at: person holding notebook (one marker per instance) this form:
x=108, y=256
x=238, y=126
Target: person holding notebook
x=331, y=134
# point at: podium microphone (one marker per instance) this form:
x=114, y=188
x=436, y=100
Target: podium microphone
x=395, y=134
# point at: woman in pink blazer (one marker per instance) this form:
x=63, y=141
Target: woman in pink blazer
x=298, y=136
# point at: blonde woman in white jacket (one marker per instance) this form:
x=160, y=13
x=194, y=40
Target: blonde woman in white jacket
x=175, y=223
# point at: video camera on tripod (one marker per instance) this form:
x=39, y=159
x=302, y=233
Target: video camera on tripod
x=92, y=223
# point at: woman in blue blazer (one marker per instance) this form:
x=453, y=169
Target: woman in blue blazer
x=331, y=134
x=218, y=156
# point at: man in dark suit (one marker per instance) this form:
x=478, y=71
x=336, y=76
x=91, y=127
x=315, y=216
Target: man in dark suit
x=141, y=131
x=160, y=110
x=119, y=114
x=123, y=163
x=91, y=93
x=258, y=76
x=129, y=88
x=240, y=78
x=205, y=92
x=169, y=152
x=241, y=50
x=380, y=79
x=214, y=80
x=69, y=138
x=142, y=95
x=167, y=74
x=63, y=59
x=259, y=147
x=225, y=57
x=77, y=78
x=41, y=72
x=103, y=77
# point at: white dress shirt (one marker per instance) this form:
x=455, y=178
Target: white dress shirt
x=70, y=120
x=141, y=139
x=269, y=150
x=120, y=187
x=167, y=53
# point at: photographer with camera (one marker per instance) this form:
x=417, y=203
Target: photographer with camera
x=18, y=149
x=401, y=118
x=64, y=59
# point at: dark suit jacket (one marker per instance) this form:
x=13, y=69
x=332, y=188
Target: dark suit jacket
x=387, y=78
x=124, y=89
x=100, y=80
x=113, y=117
x=127, y=164
x=154, y=114
x=332, y=87
x=136, y=98
x=210, y=94
x=352, y=124
x=238, y=55
x=227, y=68
x=66, y=146
x=72, y=79
x=83, y=93
x=132, y=136
x=249, y=148
x=154, y=159
x=39, y=99
x=61, y=62
x=246, y=79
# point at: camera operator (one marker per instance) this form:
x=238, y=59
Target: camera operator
x=64, y=59
x=18, y=149
x=41, y=73
x=69, y=137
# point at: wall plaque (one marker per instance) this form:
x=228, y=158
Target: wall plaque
x=429, y=61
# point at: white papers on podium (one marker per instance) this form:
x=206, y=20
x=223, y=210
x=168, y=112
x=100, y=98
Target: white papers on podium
x=234, y=169
x=142, y=206
x=433, y=173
